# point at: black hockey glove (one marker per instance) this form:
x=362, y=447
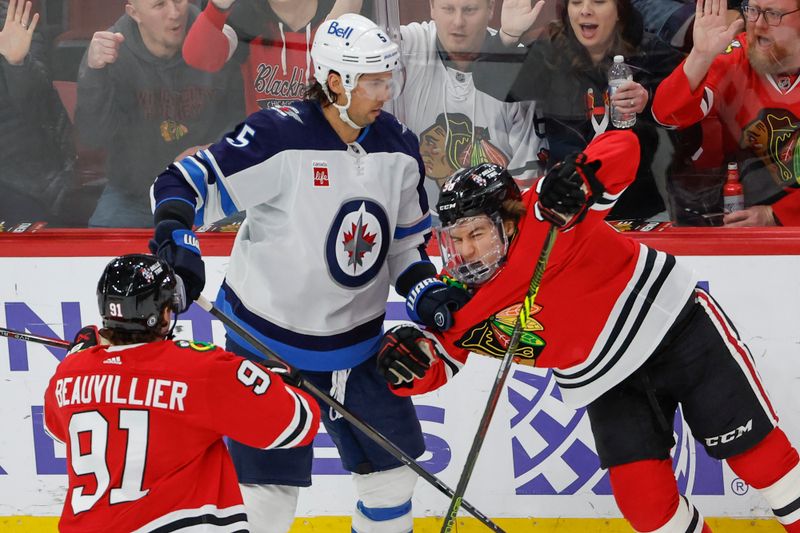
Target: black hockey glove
x=406, y=354
x=180, y=248
x=290, y=376
x=432, y=303
x=568, y=191
x=87, y=337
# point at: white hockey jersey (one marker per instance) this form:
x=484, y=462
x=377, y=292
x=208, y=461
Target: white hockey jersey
x=457, y=125
x=329, y=226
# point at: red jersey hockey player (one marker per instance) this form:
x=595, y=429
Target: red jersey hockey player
x=143, y=416
x=623, y=326
x=752, y=83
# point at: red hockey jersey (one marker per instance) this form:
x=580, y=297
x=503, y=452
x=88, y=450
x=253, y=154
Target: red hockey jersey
x=275, y=61
x=761, y=112
x=143, y=425
x=604, y=304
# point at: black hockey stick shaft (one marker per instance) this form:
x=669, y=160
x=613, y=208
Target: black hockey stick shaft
x=365, y=428
x=499, y=381
x=30, y=337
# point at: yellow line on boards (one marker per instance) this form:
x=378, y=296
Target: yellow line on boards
x=337, y=524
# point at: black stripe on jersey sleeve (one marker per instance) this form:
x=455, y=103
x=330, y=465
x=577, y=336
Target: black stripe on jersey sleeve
x=202, y=519
x=301, y=423
x=622, y=319
x=651, y=297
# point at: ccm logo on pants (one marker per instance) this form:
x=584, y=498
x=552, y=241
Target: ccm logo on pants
x=731, y=435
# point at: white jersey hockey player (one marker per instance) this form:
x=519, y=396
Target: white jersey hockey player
x=336, y=212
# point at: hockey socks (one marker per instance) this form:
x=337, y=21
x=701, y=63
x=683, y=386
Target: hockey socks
x=773, y=467
x=384, y=501
x=647, y=495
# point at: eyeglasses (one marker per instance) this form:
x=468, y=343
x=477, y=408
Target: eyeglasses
x=771, y=17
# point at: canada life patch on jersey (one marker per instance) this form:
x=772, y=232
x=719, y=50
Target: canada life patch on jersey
x=320, y=170
x=492, y=336
x=357, y=242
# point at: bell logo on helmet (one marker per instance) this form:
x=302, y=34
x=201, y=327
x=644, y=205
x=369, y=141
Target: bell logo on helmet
x=344, y=33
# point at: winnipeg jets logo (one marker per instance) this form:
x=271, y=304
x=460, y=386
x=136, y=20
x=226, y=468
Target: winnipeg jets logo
x=357, y=243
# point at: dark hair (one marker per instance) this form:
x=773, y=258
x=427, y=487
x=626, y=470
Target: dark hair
x=121, y=337
x=627, y=35
x=314, y=92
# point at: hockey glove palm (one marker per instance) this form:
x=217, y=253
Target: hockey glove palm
x=87, y=337
x=180, y=248
x=432, y=303
x=406, y=354
x=568, y=191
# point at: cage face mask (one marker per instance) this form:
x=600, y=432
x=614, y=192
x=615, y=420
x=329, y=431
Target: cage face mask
x=473, y=248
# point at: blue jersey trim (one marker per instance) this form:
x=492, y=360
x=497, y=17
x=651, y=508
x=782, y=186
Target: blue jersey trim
x=308, y=352
x=197, y=176
x=228, y=207
x=178, y=198
x=419, y=227
x=363, y=134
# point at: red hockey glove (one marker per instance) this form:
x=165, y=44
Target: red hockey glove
x=406, y=354
x=568, y=191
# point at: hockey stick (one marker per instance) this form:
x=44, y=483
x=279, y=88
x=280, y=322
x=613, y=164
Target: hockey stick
x=365, y=428
x=499, y=381
x=30, y=337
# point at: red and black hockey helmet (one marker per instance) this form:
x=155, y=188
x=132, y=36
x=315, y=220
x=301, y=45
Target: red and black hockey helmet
x=133, y=291
x=473, y=191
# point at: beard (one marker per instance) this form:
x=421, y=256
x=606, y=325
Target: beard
x=775, y=60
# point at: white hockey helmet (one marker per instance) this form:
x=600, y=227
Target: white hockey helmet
x=353, y=45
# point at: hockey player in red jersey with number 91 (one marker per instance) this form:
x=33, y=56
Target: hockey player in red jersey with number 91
x=623, y=326
x=143, y=416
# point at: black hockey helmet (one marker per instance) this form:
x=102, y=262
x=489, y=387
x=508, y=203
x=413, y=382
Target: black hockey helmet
x=133, y=291
x=473, y=191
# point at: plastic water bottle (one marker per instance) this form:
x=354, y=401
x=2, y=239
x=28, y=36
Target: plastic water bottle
x=618, y=74
x=732, y=192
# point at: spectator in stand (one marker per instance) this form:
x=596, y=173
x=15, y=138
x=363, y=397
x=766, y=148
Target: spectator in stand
x=270, y=40
x=459, y=126
x=672, y=20
x=35, y=136
x=751, y=81
x=567, y=75
x=138, y=99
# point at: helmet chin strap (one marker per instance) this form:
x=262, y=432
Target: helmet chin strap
x=343, y=112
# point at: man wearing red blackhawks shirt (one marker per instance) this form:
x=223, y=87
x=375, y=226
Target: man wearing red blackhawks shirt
x=143, y=416
x=623, y=326
x=752, y=83
x=270, y=39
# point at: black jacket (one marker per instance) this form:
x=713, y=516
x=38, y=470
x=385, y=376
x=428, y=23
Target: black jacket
x=544, y=72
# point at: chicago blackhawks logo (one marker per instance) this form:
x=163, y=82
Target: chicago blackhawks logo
x=172, y=131
x=492, y=337
x=448, y=145
x=357, y=242
x=773, y=137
